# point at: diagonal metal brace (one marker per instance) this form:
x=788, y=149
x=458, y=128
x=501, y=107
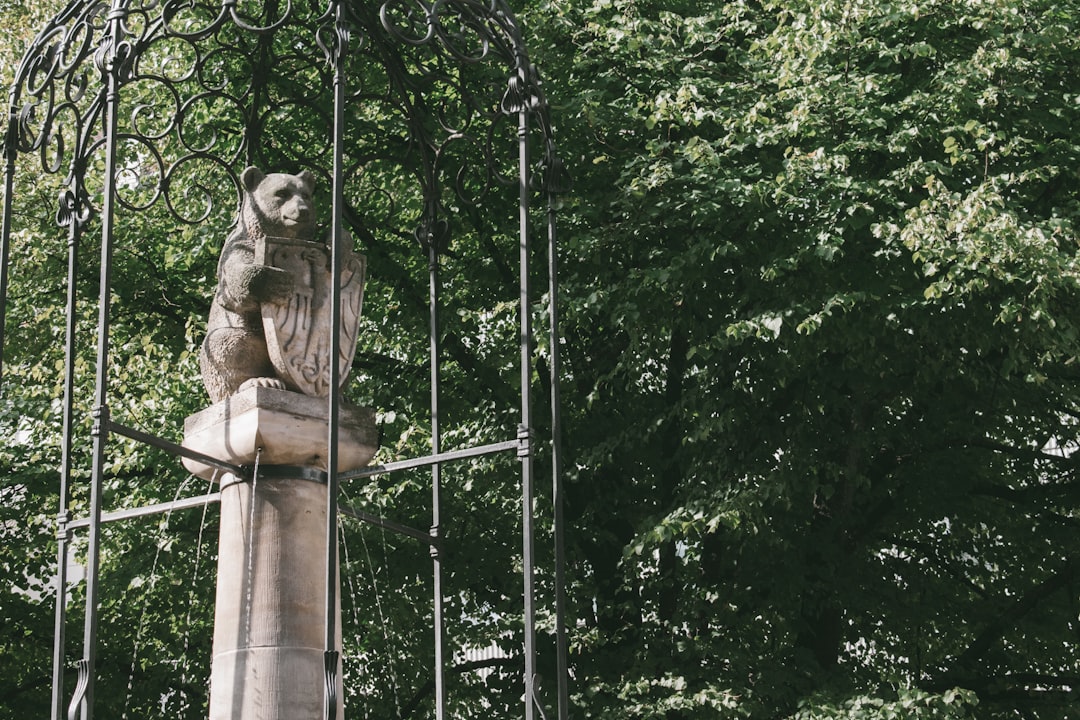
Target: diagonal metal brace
x=431, y=539
x=170, y=447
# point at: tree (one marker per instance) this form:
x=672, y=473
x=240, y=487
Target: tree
x=823, y=258
x=818, y=270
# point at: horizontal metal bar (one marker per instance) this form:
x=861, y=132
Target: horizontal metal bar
x=389, y=525
x=430, y=460
x=201, y=500
x=173, y=448
x=245, y=472
x=130, y=513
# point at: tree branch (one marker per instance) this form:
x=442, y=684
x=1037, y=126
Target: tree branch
x=1019, y=452
x=1038, y=492
x=1010, y=618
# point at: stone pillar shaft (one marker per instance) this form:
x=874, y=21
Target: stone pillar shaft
x=269, y=623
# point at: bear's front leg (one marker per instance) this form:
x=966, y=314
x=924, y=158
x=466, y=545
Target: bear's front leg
x=264, y=283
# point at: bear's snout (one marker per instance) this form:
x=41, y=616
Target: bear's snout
x=298, y=211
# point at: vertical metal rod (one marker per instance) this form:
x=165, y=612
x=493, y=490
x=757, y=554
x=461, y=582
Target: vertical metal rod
x=63, y=534
x=562, y=669
x=525, y=430
x=5, y=226
x=436, y=469
x=101, y=395
x=337, y=231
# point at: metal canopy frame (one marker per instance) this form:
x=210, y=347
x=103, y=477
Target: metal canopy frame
x=117, y=94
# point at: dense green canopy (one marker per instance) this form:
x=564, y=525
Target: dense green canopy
x=820, y=281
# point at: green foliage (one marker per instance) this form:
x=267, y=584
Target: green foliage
x=819, y=276
x=820, y=273
x=909, y=704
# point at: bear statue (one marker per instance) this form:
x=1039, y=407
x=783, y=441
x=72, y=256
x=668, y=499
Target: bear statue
x=234, y=354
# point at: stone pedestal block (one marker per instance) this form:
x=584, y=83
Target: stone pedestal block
x=269, y=624
x=288, y=427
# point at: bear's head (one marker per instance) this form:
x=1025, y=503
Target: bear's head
x=281, y=204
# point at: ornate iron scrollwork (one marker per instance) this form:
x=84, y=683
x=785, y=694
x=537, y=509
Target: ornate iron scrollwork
x=155, y=106
x=198, y=102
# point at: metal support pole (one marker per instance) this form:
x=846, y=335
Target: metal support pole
x=337, y=232
x=109, y=57
x=10, y=152
x=436, y=469
x=63, y=531
x=525, y=430
x=562, y=669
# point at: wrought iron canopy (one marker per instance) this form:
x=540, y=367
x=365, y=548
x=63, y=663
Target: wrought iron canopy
x=431, y=92
x=410, y=113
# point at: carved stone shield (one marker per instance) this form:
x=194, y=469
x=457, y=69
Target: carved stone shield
x=298, y=329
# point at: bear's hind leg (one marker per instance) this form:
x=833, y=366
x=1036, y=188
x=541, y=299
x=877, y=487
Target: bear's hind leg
x=233, y=358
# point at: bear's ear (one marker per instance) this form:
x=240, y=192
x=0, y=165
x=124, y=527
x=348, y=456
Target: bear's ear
x=308, y=179
x=251, y=177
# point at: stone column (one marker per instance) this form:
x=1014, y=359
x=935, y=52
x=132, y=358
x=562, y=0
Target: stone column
x=269, y=622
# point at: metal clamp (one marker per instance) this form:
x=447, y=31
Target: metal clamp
x=435, y=547
x=284, y=472
x=525, y=437
x=63, y=532
x=101, y=420
x=80, y=688
x=330, y=666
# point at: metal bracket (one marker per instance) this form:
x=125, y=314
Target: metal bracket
x=525, y=438
x=330, y=665
x=63, y=531
x=284, y=472
x=80, y=688
x=435, y=549
x=101, y=420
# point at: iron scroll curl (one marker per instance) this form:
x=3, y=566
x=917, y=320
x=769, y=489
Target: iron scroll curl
x=192, y=92
x=152, y=108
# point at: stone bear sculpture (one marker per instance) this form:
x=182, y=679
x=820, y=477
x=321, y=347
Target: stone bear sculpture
x=234, y=354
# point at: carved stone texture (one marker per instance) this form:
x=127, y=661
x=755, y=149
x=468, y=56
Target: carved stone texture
x=298, y=329
x=269, y=323
x=270, y=619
